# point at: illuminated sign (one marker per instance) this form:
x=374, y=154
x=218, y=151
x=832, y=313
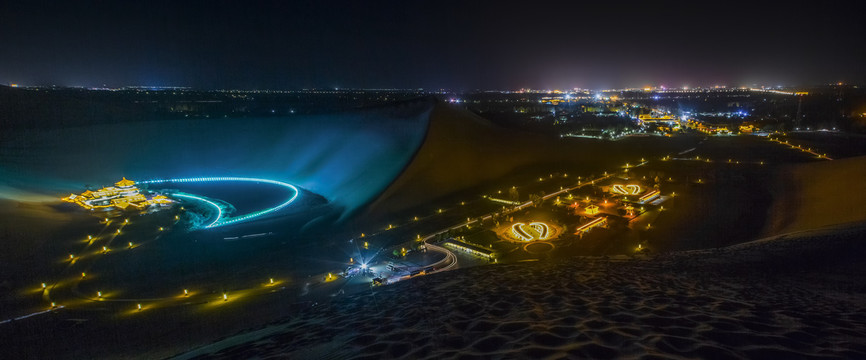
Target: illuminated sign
x=626, y=189
x=540, y=231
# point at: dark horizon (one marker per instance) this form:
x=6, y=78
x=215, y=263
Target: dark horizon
x=430, y=45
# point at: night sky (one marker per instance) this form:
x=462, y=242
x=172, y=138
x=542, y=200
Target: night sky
x=430, y=44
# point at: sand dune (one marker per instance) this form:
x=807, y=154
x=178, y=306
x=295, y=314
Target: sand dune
x=786, y=297
x=819, y=194
x=461, y=150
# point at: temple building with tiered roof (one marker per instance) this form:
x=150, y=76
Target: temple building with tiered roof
x=123, y=195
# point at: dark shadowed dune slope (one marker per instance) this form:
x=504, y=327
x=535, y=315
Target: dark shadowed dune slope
x=462, y=150
x=819, y=194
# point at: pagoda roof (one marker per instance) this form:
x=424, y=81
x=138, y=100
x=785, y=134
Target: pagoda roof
x=124, y=183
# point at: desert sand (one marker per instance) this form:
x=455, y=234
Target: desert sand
x=796, y=293
x=462, y=150
x=819, y=194
x=786, y=297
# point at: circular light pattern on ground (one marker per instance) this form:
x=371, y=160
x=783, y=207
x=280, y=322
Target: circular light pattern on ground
x=538, y=247
x=220, y=219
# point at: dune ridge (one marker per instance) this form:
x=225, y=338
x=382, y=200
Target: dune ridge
x=459, y=149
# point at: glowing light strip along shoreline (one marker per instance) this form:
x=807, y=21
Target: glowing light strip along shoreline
x=219, y=209
x=220, y=221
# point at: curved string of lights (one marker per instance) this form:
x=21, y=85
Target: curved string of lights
x=220, y=220
x=517, y=230
x=540, y=228
x=627, y=189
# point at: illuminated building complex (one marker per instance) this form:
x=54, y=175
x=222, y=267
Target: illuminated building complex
x=599, y=221
x=652, y=119
x=646, y=195
x=469, y=248
x=748, y=128
x=649, y=196
x=123, y=195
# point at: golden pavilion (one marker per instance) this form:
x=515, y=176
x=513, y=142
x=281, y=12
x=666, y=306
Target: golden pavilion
x=123, y=195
